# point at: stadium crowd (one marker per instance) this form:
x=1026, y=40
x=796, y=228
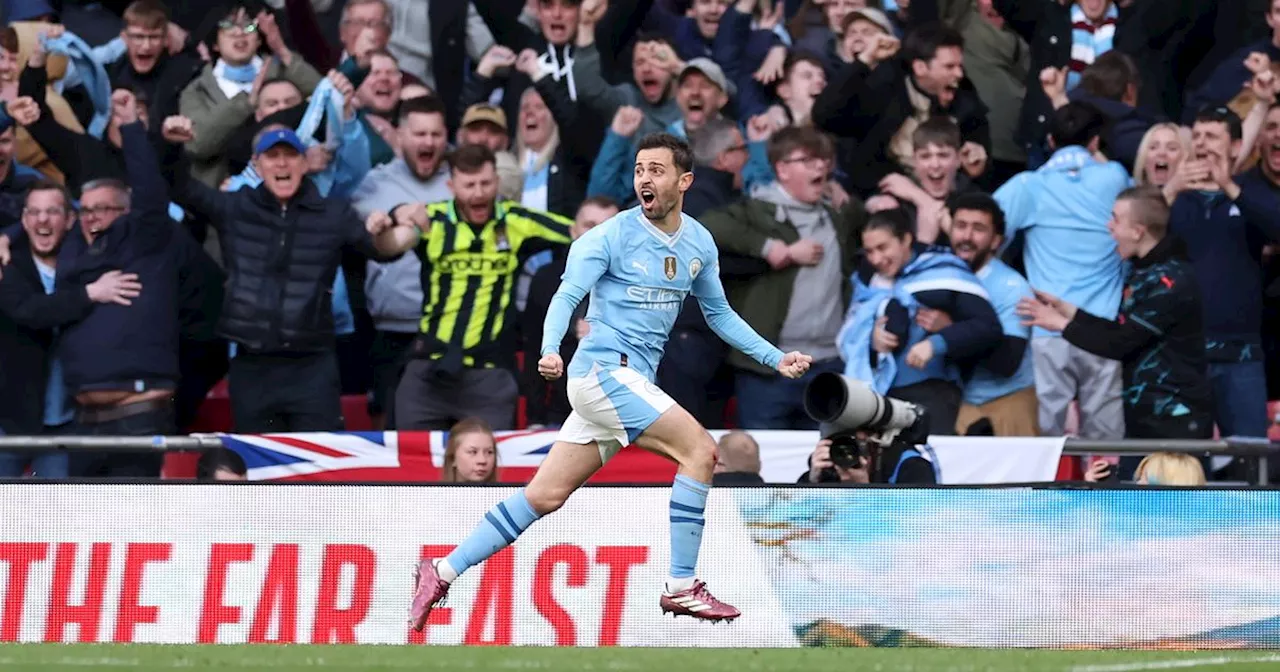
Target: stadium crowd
x=991, y=208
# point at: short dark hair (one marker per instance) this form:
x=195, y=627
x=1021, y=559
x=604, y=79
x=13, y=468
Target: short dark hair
x=796, y=58
x=1076, y=124
x=937, y=130
x=428, y=104
x=653, y=37
x=207, y=31
x=1110, y=76
x=923, y=43
x=894, y=220
x=146, y=14
x=9, y=39
x=45, y=184
x=681, y=155
x=211, y=461
x=979, y=202
x=1222, y=114
x=470, y=159
x=791, y=138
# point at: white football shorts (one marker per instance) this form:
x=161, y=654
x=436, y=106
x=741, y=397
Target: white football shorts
x=612, y=407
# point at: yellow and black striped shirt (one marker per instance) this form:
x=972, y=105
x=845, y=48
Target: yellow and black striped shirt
x=468, y=275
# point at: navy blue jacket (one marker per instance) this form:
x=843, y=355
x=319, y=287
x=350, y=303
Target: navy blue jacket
x=27, y=319
x=1225, y=241
x=129, y=347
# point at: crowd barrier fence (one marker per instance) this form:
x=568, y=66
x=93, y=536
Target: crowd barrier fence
x=416, y=456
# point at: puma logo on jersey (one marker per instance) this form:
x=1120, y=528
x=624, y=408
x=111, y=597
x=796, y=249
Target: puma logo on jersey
x=643, y=268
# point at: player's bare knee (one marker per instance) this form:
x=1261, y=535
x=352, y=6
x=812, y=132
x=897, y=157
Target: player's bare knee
x=701, y=453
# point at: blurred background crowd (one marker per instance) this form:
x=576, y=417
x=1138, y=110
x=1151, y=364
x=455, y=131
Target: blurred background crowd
x=997, y=209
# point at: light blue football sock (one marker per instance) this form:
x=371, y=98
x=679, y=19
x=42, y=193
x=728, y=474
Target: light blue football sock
x=496, y=531
x=688, y=504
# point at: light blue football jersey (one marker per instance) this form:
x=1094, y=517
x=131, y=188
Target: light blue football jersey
x=1005, y=288
x=638, y=278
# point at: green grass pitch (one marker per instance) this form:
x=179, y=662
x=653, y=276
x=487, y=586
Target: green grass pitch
x=140, y=658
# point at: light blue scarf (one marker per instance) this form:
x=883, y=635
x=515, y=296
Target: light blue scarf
x=932, y=269
x=1089, y=41
x=325, y=106
x=91, y=73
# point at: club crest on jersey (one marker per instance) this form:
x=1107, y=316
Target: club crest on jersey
x=669, y=267
x=695, y=267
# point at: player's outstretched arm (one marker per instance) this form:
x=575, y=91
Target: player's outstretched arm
x=588, y=261
x=735, y=331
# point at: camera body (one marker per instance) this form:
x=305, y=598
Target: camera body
x=847, y=450
x=861, y=423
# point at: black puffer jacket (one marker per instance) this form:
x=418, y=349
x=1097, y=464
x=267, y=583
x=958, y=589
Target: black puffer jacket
x=280, y=262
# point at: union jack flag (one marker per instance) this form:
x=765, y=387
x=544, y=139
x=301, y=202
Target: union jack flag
x=412, y=457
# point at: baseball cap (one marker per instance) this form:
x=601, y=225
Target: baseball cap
x=280, y=135
x=874, y=16
x=711, y=70
x=485, y=112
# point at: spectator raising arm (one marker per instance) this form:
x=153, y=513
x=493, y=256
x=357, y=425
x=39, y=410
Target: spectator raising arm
x=188, y=192
x=70, y=151
x=593, y=90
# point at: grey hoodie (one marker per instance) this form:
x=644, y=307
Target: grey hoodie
x=394, y=290
x=816, y=312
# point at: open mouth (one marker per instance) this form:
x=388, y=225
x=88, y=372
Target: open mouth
x=817, y=181
x=1273, y=154
x=651, y=87
x=648, y=197
x=240, y=45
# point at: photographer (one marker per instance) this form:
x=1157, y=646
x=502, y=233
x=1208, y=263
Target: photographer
x=858, y=458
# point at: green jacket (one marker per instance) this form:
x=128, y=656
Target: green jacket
x=744, y=228
x=997, y=62
x=215, y=118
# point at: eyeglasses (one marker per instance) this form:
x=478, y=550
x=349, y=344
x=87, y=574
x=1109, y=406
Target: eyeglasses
x=51, y=213
x=144, y=37
x=247, y=28
x=99, y=210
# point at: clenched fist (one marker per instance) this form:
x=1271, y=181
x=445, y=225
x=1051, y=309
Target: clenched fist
x=551, y=366
x=24, y=110
x=178, y=130
x=377, y=222
x=794, y=364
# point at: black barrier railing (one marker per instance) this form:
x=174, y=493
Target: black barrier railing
x=1259, y=449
